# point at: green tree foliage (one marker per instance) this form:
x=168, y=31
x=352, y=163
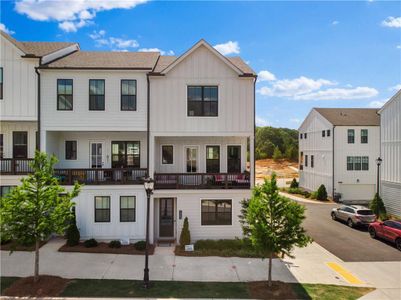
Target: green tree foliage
x=275, y=222
x=38, y=207
x=243, y=217
x=185, y=237
x=267, y=138
x=294, y=184
x=321, y=193
x=277, y=154
x=377, y=206
x=72, y=233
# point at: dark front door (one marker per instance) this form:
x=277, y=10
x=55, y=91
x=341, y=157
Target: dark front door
x=234, y=159
x=166, y=222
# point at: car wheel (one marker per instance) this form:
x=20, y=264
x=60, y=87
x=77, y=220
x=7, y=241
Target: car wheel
x=350, y=223
x=398, y=243
x=333, y=216
x=372, y=232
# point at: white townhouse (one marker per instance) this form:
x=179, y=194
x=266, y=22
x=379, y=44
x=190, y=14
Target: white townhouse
x=390, y=153
x=112, y=118
x=19, y=102
x=338, y=147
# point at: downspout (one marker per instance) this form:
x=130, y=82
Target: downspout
x=254, y=130
x=38, y=136
x=333, y=188
x=148, y=123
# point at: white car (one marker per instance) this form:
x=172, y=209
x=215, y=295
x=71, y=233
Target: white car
x=353, y=215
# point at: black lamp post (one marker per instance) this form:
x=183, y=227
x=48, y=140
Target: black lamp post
x=148, y=184
x=378, y=162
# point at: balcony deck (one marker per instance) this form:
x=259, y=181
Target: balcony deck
x=202, y=181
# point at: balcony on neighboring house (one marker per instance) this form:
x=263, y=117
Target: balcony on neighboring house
x=88, y=176
x=202, y=181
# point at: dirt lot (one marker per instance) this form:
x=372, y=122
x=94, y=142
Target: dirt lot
x=283, y=168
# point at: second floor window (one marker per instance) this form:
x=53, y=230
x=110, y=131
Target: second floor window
x=128, y=94
x=70, y=150
x=64, y=94
x=1, y=82
x=125, y=154
x=364, y=136
x=212, y=159
x=96, y=94
x=328, y=132
x=351, y=136
x=20, y=144
x=167, y=154
x=306, y=160
x=1, y=146
x=312, y=161
x=202, y=101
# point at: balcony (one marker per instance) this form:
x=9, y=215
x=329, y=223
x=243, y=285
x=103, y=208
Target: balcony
x=9, y=166
x=190, y=181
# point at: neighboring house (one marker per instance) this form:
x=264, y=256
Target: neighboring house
x=112, y=118
x=338, y=147
x=390, y=170
x=19, y=102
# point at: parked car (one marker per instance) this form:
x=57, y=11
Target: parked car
x=353, y=215
x=388, y=230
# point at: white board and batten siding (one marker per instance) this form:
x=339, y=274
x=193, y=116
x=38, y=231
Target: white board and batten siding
x=390, y=116
x=20, y=90
x=322, y=150
x=7, y=129
x=83, y=119
x=202, y=67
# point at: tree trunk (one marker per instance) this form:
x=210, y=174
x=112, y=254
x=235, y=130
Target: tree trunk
x=270, y=269
x=36, y=274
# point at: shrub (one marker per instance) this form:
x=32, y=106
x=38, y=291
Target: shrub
x=307, y=194
x=73, y=235
x=185, y=237
x=115, y=244
x=90, y=243
x=313, y=195
x=140, y=246
x=277, y=153
x=294, y=184
x=321, y=193
x=377, y=206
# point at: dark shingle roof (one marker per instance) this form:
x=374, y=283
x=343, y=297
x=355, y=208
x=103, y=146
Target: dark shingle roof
x=351, y=116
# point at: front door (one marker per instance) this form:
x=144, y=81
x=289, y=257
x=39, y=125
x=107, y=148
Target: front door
x=234, y=159
x=96, y=155
x=191, y=158
x=166, y=221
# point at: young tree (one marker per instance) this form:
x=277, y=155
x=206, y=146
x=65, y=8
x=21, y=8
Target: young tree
x=321, y=193
x=275, y=222
x=243, y=217
x=38, y=207
x=377, y=206
x=185, y=237
x=277, y=153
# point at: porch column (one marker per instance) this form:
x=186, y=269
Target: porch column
x=252, y=159
x=43, y=136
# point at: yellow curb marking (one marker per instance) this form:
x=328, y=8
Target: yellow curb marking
x=344, y=273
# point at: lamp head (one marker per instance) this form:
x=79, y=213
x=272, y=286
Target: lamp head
x=148, y=183
x=379, y=161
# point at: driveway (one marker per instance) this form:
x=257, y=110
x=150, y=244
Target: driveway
x=350, y=245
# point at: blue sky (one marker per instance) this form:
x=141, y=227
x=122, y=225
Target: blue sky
x=308, y=54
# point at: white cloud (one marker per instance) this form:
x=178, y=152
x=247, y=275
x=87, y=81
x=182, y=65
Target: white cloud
x=259, y=121
x=335, y=22
x=376, y=103
x=228, y=48
x=398, y=46
x=340, y=94
x=5, y=29
x=121, y=43
x=71, y=15
x=397, y=87
x=266, y=76
x=162, y=52
x=394, y=22
x=114, y=43
x=295, y=120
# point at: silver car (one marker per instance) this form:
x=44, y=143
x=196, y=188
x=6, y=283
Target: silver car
x=353, y=215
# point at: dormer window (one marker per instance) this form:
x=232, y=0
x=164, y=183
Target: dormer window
x=202, y=101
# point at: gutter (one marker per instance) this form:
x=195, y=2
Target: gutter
x=254, y=130
x=148, y=123
x=39, y=135
x=333, y=188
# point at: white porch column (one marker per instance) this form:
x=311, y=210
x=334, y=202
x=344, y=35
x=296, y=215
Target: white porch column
x=43, y=136
x=252, y=159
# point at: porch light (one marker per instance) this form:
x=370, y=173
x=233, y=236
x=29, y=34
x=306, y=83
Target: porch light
x=148, y=184
x=379, y=161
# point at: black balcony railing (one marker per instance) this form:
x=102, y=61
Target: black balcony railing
x=202, y=181
x=15, y=166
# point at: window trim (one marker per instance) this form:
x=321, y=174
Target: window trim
x=367, y=136
x=203, y=86
x=94, y=212
x=348, y=136
x=353, y=162
x=72, y=95
x=2, y=83
x=76, y=150
x=104, y=94
x=216, y=198
x=128, y=208
x=121, y=94
x=213, y=145
x=161, y=154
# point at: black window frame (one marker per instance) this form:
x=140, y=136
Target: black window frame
x=70, y=152
x=166, y=161
x=1, y=145
x=232, y=161
x=306, y=160
x=351, y=137
x=124, y=162
x=213, y=168
x=364, y=138
x=350, y=163
x=1, y=83
x=20, y=145
x=127, y=96
x=300, y=136
x=97, y=95
x=323, y=133
x=328, y=133
x=305, y=135
x=203, y=101
x=312, y=161
x=103, y=209
x=59, y=95
x=216, y=221
x=365, y=163
x=128, y=210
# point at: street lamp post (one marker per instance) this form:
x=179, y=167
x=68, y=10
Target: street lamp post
x=378, y=162
x=148, y=184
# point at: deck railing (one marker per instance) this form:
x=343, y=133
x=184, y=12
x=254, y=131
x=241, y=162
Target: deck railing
x=15, y=166
x=202, y=181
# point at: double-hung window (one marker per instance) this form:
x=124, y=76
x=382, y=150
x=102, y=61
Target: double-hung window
x=312, y=161
x=20, y=144
x=70, y=150
x=212, y=159
x=328, y=132
x=306, y=160
x=127, y=209
x=1, y=82
x=365, y=163
x=64, y=94
x=202, y=101
x=323, y=133
x=216, y=212
x=128, y=94
x=96, y=94
x=167, y=154
x=357, y=163
x=364, y=136
x=1, y=145
x=350, y=163
x=125, y=154
x=351, y=136
x=102, y=208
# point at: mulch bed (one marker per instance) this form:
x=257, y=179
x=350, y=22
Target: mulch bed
x=213, y=252
x=8, y=246
x=278, y=290
x=104, y=248
x=47, y=286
